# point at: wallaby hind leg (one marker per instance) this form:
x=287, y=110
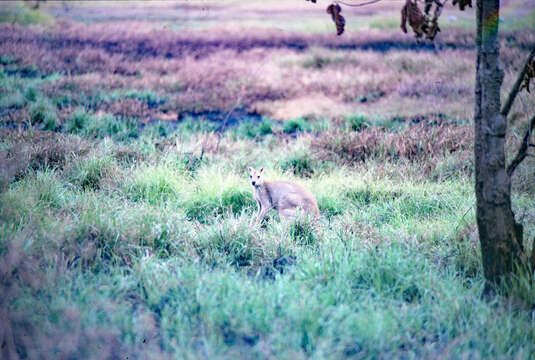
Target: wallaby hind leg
x=287, y=214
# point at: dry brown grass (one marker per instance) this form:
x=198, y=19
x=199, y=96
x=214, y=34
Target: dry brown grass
x=30, y=334
x=416, y=143
x=16, y=268
x=271, y=71
x=33, y=150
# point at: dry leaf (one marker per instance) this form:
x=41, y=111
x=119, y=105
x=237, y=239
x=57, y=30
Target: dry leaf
x=433, y=27
x=462, y=3
x=335, y=10
x=416, y=19
x=421, y=24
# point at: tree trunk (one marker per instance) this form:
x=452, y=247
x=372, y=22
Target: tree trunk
x=500, y=236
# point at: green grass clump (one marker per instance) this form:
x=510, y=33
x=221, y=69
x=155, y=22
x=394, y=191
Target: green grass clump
x=215, y=195
x=255, y=130
x=153, y=184
x=79, y=120
x=191, y=162
x=304, y=231
x=148, y=97
x=299, y=163
x=6, y=60
x=357, y=122
x=232, y=242
x=265, y=127
x=189, y=126
x=30, y=94
x=296, y=125
x=86, y=124
x=108, y=125
x=235, y=201
x=15, y=100
x=43, y=113
x=330, y=205
x=50, y=191
x=206, y=207
x=17, y=12
x=89, y=173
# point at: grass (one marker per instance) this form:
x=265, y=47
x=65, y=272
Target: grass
x=166, y=257
x=16, y=12
x=127, y=219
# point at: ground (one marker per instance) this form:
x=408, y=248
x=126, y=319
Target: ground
x=127, y=220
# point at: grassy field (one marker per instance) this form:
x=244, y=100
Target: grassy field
x=126, y=216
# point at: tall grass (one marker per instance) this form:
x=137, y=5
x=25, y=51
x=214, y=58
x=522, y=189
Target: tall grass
x=153, y=255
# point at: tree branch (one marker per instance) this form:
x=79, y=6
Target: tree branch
x=514, y=91
x=533, y=257
x=523, y=150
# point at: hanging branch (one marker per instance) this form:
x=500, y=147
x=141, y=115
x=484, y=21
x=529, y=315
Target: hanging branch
x=433, y=23
x=532, y=262
x=523, y=150
x=516, y=87
x=357, y=5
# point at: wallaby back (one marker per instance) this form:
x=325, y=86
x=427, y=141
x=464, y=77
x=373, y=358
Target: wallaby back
x=286, y=197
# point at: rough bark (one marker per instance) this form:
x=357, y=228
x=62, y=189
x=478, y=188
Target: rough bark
x=532, y=262
x=500, y=236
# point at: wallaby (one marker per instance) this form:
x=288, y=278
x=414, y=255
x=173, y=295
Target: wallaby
x=284, y=196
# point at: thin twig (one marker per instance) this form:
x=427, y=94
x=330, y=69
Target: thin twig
x=358, y=5
x=234, y=107
x=523, y=150
x=462, y=217
x=516, y=87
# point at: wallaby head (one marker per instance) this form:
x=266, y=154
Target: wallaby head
x=256, y=176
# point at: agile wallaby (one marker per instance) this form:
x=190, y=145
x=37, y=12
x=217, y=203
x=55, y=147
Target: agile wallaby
x=284, y=196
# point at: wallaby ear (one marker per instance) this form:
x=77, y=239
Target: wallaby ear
x=250, y=169
x=261, y=170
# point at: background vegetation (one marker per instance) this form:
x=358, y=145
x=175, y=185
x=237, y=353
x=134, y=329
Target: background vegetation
x=126, y=215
